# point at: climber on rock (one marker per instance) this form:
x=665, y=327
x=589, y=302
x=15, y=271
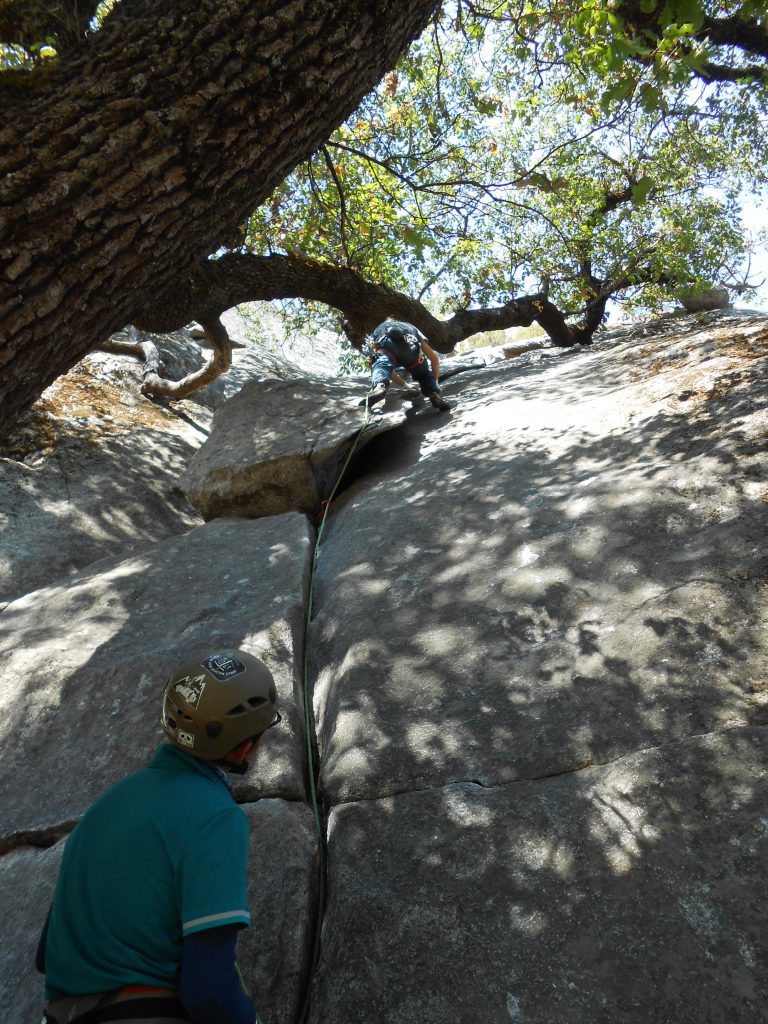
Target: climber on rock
x=152, y=888
x=396, y=343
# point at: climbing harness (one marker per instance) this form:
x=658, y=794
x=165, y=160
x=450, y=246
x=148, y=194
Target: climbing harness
x=322, y=516
x=393, y=357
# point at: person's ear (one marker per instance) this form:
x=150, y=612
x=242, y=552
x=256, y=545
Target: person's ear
x=240, y=753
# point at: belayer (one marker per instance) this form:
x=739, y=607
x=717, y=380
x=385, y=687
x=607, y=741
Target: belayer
x=397, y=344
x=152, y=888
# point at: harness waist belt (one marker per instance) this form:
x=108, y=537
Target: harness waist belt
x=391, y=355
x=145, y=990
x=142, y=1008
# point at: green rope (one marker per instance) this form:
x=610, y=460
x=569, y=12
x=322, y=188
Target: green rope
x=308, y=723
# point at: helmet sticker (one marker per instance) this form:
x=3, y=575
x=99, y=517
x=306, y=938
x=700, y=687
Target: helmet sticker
x=190, y=689
x=186, y=739
x=223, y=666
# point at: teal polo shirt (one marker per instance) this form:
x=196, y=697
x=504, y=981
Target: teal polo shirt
x=161, y=855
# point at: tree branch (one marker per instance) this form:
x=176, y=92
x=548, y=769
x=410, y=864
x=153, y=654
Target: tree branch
x=156, y=386
x=235, y=278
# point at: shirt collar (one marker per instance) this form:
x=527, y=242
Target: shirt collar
x=171, y=758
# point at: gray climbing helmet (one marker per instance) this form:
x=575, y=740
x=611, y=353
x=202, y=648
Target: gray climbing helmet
x=212, y=704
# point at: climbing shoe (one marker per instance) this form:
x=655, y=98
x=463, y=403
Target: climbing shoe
x=375, y=395
x=439, y=402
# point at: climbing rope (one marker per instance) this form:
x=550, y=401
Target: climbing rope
x=325, y=506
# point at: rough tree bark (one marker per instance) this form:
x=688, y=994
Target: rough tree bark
x=140, y=153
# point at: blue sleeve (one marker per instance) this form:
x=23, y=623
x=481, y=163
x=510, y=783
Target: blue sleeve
x=209, y=987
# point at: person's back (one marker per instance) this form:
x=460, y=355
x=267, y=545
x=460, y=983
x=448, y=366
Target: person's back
x=136, y=876
x=398, y=343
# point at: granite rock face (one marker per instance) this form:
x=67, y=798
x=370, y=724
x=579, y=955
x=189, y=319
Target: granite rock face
x=542, y=590
x=85, y=663
x=27, y=881
x=94, y=470
x=67, y=512
x=629, y=892
x=537, y=666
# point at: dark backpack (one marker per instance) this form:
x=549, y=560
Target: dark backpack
x=405, y=346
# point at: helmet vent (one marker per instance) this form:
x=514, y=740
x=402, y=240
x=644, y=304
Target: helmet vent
x=239, y=709
x=256, y=702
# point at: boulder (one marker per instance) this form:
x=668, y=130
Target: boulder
x=278, y=446
x=273, y=954
x=85, y=662
x=704, y=299
x=630, y=892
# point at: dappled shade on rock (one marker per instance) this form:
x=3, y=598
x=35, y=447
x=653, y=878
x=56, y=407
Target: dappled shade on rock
x=87, y=660
x=538, y=591
x=630, y=892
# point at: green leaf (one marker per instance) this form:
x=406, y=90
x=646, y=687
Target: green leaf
x=688, y=13
x=641, y=189
x=415, y=240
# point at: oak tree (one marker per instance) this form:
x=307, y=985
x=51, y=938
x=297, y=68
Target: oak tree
x=134, y=152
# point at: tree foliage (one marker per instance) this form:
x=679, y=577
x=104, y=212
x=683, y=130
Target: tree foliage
x=526, y=160
x=491, y=165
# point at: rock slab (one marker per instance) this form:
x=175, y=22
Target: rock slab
x=84, y=663
x=279, y=446
x=627, y=894
x=535, y=593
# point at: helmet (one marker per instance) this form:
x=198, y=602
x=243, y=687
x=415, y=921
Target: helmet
x=212, y=704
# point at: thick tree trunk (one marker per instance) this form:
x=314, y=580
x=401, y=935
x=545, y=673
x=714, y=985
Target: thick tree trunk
x=745, y=33
x=128, y=163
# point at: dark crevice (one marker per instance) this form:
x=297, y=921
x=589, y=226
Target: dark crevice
x=368, y=458
x=393, y=447
x=41, y=839
x=317, y=911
